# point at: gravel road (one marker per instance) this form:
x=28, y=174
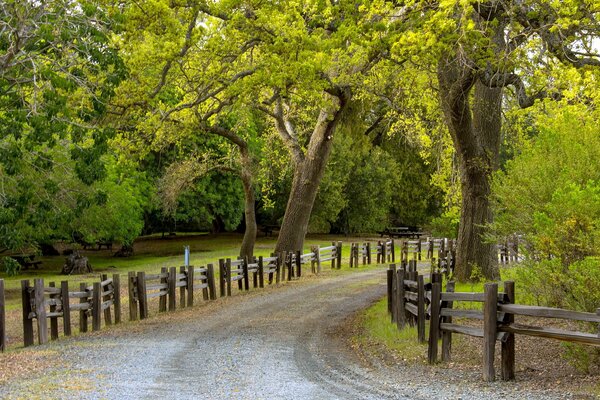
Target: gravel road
x=281, y=343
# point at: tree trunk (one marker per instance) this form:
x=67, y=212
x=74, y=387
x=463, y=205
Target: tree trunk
x=305, y=185
x=308, y=170
x=476, y=137
x=247, y=248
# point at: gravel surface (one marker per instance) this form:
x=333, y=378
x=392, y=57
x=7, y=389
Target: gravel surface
x=282, y=343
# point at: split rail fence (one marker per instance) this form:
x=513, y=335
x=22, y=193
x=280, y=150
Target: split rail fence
x=412, y=301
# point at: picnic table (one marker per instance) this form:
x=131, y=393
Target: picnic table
x=269, y=228
x=26, y=261
x=402, y=231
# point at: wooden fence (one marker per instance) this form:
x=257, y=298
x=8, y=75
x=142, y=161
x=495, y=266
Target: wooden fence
x=42, y=303
x=411, y=301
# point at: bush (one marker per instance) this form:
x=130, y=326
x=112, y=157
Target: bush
x=11, y=266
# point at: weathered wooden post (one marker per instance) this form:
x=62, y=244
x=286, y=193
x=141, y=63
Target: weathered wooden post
x=66, y=307
x=190, y=285
x=117, y=297
x=261, y=272
x=222, y=277
x=96, y=306
x=420, y=309
x=390, y=288
x=290, y=265
x=228, y=276
x=164, y=281
x=172, y=282
x=394, y=297
x=182, y=287
x=142, y=295
x=508, y=346
x=40, y=310
x=351, y=255
x=2, y=318
x=393, y=250
x=103, y=298
x=400, y=301
x=210, y=278
x=280, y=275
x=246, y=278
x=83, y=313
x=299, y=263
x=369, y=253
x=447, y=336
x=383, y=251
x=53, y=317
x=26, y=306
x=339, y=255
x=133, y=295
x=316, y=260
x=434, y=323
x=490, y=307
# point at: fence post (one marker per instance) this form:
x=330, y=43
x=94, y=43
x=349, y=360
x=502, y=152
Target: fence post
x=83, y=314
x=245, y=274
x=420, y=309
x=261, y=272
x=162, y=300
x=394, y=297
x=228, y=276
x=490, y=307
x=96, y=306
x=339, y=255
x=107, y=316
x=278, y=268
x=2, y=318
x=40, y=311
x=400, y=307
x=290, y=265
x=117, y=297
x=182, y=298
x=393, y=250
x=332, y=255
x=133, y=295
x=390, y=286
x=172, y=281
x=318, y=258
x=434, y=323
x=447, y=336
x=383, y=251
x=351, y=255
x=53, y=320
x=66, y=306
x=210, y=278
x=222, y=277
x=299, y=263
x=26, y=305
x=369, y=253
x=190, y=286
x=508, y=346
x=141, y=291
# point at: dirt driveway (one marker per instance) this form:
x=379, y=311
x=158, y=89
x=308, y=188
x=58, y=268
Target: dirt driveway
x=281, y=343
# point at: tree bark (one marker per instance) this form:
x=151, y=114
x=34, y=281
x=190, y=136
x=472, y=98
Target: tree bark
x=308, y=170
x=475, y=131
x=247, y=248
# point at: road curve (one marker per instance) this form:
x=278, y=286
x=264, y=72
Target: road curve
x=280, y=343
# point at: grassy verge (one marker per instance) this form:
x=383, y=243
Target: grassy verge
x=378, y=330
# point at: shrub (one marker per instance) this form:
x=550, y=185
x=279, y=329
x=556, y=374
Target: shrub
x=11, y=266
